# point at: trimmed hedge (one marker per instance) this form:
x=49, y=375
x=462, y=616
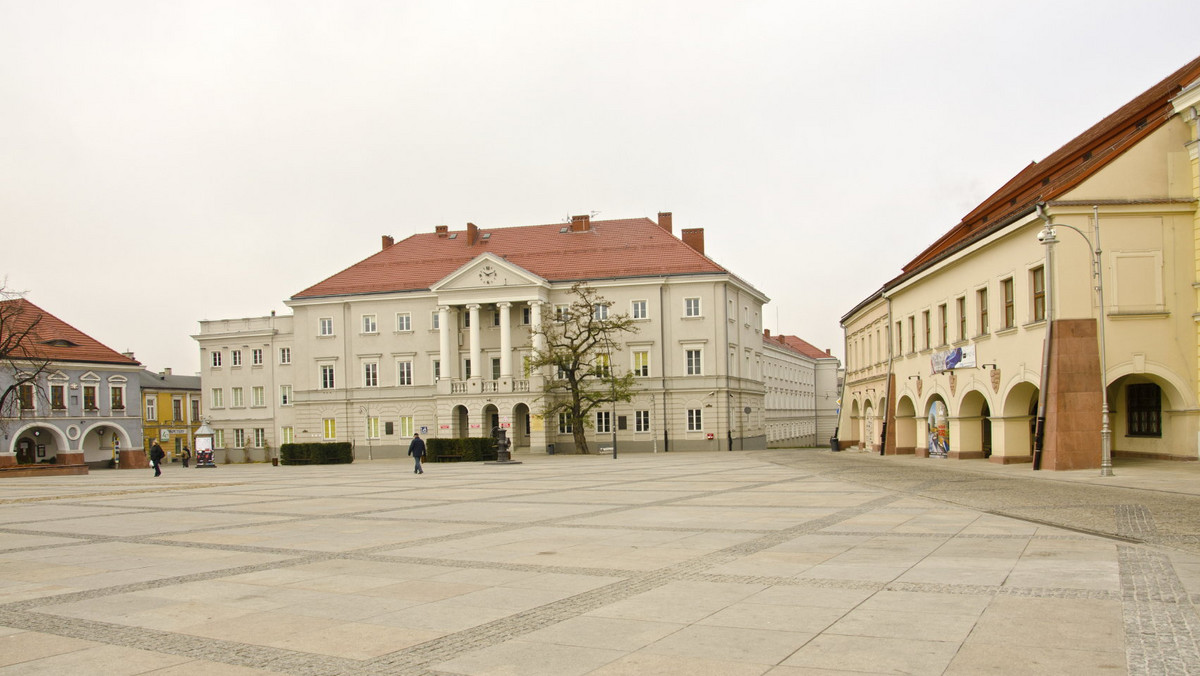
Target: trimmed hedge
x=316, y=454
x=472, y=449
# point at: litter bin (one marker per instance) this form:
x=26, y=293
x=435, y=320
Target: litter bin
x=833, y=444
x=549, y=449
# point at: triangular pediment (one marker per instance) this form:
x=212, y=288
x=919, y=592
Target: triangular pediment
x=487, y=271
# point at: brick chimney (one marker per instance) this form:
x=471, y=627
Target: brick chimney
x=388, y=241
x=442, y=230
x=693, y=237
x=472, y=234
x=165, y=372
x=766, y=333
x=581, y=223
x=664, y=220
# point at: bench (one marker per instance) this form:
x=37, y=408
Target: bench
x=447, y=458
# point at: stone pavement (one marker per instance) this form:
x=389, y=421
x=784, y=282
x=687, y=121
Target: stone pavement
x=769, y=562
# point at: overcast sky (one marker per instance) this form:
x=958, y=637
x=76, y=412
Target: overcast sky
x=163, y=162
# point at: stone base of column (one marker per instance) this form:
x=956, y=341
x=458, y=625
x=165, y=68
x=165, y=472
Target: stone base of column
x=8, y=460
x=132, y=459
x=68, y=459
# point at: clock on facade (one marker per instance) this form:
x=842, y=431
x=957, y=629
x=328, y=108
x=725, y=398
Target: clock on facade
x=487, y=275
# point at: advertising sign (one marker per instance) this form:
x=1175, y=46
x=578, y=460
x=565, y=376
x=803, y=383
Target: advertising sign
x=957, y=358
x=939, y=430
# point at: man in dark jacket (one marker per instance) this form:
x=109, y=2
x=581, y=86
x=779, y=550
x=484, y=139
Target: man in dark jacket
x=156, y=458
x=417, y=450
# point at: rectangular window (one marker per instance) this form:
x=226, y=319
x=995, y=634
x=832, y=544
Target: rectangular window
x=925, y=327
x=403, y=321
x=256, y=357
x=641, y=421
x=1010, y=315
x=526, y=365
x=239, y=438
x=436, y=322
x=691, y=307
x=58, y=397
x=466, y=369
x=369, y=325
x=495, y=368
x=694, y=365
x=466, y=319
x=285, y=395
x=404, y=373
x=25, y=396
x=177, y=409
x=943, y=325
x=330, y=429
x=218, y=438
x=961, y=304
x=235, y=358
x=599, y=311
x=638, y=310
x=218, y=398
x=236, y=397
x=641, y=363
x=285, y=355
x=216, y=359
x=90, y=400
x=437, y=370
x=495, y=318
x=1038, y=284
x=912, y=334
x=258, y=396
x=695, y=422
x=604, y=422
x=603, y=365
x=116, y=397
x=370, y=374
x=1143, y=404
x=151, y=407
x=562, y=313
x=564, y=424
x=899, y=340
x=195, y=409
x=326, y=381
x=406, y=425
x=325, y=326
x=981, y=299
x=372, y=427
x=260, y=437
x=287, y=435
x=526, y=315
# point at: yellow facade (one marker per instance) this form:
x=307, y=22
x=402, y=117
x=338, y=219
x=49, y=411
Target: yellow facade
x=171, y=411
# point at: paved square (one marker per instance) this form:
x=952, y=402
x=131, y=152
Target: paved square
x=698, y=563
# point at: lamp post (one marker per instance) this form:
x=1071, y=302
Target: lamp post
x=612, y=422
x=1048, y=237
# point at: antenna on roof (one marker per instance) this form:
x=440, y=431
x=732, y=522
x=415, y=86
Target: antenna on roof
x=594, y=213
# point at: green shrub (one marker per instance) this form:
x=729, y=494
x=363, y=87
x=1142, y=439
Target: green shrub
x=316, y=454
x=472, y=449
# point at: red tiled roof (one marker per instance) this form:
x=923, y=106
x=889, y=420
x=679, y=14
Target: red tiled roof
x=1063, y=170
x=800, y=345
x=52, y=338
x=634, y=247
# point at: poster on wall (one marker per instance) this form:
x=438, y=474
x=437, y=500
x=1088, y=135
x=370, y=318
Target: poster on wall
x=939, y=430
x=958, y=358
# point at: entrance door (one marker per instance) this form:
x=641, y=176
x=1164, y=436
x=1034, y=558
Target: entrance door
x=985, y=431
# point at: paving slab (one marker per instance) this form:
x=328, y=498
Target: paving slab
x=782, y=562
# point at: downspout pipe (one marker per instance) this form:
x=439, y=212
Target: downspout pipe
x=1039, y=436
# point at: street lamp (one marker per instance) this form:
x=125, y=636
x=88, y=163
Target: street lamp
x=1049, y=238
x=612, y=422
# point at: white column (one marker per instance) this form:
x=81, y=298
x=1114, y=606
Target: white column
x=444, y=333
x=535, y=320
x=477, y=369
x=505, y=340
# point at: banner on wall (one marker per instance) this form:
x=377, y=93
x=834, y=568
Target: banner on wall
x=958, y=358
x=939, y=430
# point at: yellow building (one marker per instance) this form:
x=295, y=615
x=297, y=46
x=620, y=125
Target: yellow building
x=170, y=411
x=1062, y=308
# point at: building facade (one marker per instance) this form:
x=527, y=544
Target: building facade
x=801, y=392
x=80, y=409
x=997, y=333
x=432, y=335
x=171, y=411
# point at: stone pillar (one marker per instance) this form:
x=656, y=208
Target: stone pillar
x=444, y=333
x=535, y=321
x=476, y=351
x=1073, y=397
x=505, y=340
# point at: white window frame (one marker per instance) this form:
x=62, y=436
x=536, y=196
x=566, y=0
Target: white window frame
x=403, y=322
x=260, y=437
x=258, y=396
x=370, y=374
x=325, y=326
x=436, y=321
x=216, y=359
x=641, y=421
x=285, y=355
x=236, y=400
x=639, y=309
x=564, y=424
x=692, y=307
x=218, y=438
x=235, y=357
x=285, y=395
x=326, y=377
x=641, y=370
x=373, y=427
x=217, y=397
x=329, y=429
x=256, y=357
x=604, y=422
x=370, y=324
x=287, y=435
x=239, y=438
x=151, y=407
x=404, y=372
x=405, y=425
x=600, y=311
x=696, y=367
x=695, y=420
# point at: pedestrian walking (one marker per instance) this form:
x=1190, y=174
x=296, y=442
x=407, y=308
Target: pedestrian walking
x=156, y=458
x=187, y=455
x=417, y=450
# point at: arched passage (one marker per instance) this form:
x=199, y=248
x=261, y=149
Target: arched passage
x=972, y=427
x=520, y=432
x=1149, y=416
x=459, y=422
x=855, y=423
x=906, y=425
x=1012, y=432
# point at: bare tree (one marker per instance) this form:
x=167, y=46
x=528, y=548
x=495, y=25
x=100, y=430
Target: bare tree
x=22, y=361
x=580, y=340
